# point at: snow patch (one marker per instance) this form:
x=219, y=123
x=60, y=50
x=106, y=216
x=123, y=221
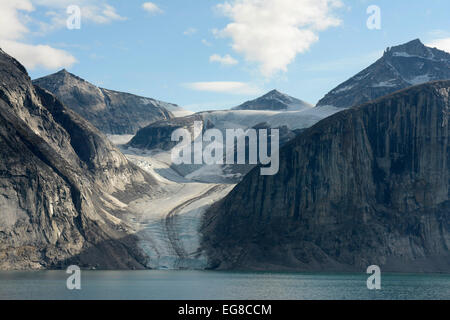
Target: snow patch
x=420, y=79
x=388, y=84
x=346, y=88
x=118, y=139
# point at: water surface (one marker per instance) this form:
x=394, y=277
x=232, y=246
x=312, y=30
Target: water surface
x=194, y=285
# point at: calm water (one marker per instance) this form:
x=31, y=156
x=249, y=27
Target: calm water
x=175, y=285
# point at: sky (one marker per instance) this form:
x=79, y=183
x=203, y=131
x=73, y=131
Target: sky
x=215, y=54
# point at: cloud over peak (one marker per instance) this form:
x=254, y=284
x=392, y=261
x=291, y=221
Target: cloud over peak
x=272, y=32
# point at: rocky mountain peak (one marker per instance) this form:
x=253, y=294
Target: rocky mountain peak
x=274, y=100
x=400, y=67
x=412, y=47
x=112, y=112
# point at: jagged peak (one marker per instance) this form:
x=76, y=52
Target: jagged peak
x=275, y=94
x=412, y=48
x=63, y=71
x=62, y=75
x=274, y=91
x=4, y=55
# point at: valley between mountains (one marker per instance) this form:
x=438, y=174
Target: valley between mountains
x=168, y=221
x=86, y=176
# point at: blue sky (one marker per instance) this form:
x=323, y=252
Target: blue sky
x=206, y=54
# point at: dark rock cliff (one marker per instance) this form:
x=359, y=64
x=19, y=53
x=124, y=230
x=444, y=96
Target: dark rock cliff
x=368, y=185
x=63, y=186
x=109, y=111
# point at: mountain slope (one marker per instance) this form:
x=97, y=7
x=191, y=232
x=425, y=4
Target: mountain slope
x=400, y=67
x=109, y=111
x=275, y=101
x=63, y=186
x=368, y=185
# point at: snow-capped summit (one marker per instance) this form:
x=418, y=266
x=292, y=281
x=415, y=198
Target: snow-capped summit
x=276, y=101
x=400, y=67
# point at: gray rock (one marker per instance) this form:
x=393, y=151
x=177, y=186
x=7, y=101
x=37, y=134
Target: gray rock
x=158, y=134
x=368, y=185
x=62, y=184
x=400, y=67
x=109, y=111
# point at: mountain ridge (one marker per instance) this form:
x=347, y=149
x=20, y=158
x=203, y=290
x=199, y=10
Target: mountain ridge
x=112, y=112
x=274, y=100
x=400, y=67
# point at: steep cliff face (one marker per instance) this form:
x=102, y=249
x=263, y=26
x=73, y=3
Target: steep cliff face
x=368, y=185
x=401, y=66
x=109, y=111
x=63, y=186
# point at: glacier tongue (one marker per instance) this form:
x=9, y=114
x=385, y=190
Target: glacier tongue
x=168, y=223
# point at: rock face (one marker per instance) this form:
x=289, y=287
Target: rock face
x=368, y=185
x=158, y=134
x=109, y=111
x=400, y=67
x=274, y=100
x=63, y=186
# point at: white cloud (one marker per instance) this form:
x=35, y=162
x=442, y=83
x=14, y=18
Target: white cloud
x=190, y=31
x=17, y=22
x=442, y=44
x=272, y=32
x=231, y=87
x=101, y=14
x=206, y=43
x=33, y=56
x=226, y=60
x=12, y=15
x=95, y=11
x=12, y=31
x=151, y=7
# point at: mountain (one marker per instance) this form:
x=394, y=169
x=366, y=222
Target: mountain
x=64, y=187
x=368, y=185
x=274, y=110
x=400, y=67
x=276, y=101
x=157, y=136
x=109, y=111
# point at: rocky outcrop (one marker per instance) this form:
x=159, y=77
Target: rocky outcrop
x=275, y=101
x=63, y=186
x=109, y=111
x=158, y=135
x=400, y=67
x=368, y=185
